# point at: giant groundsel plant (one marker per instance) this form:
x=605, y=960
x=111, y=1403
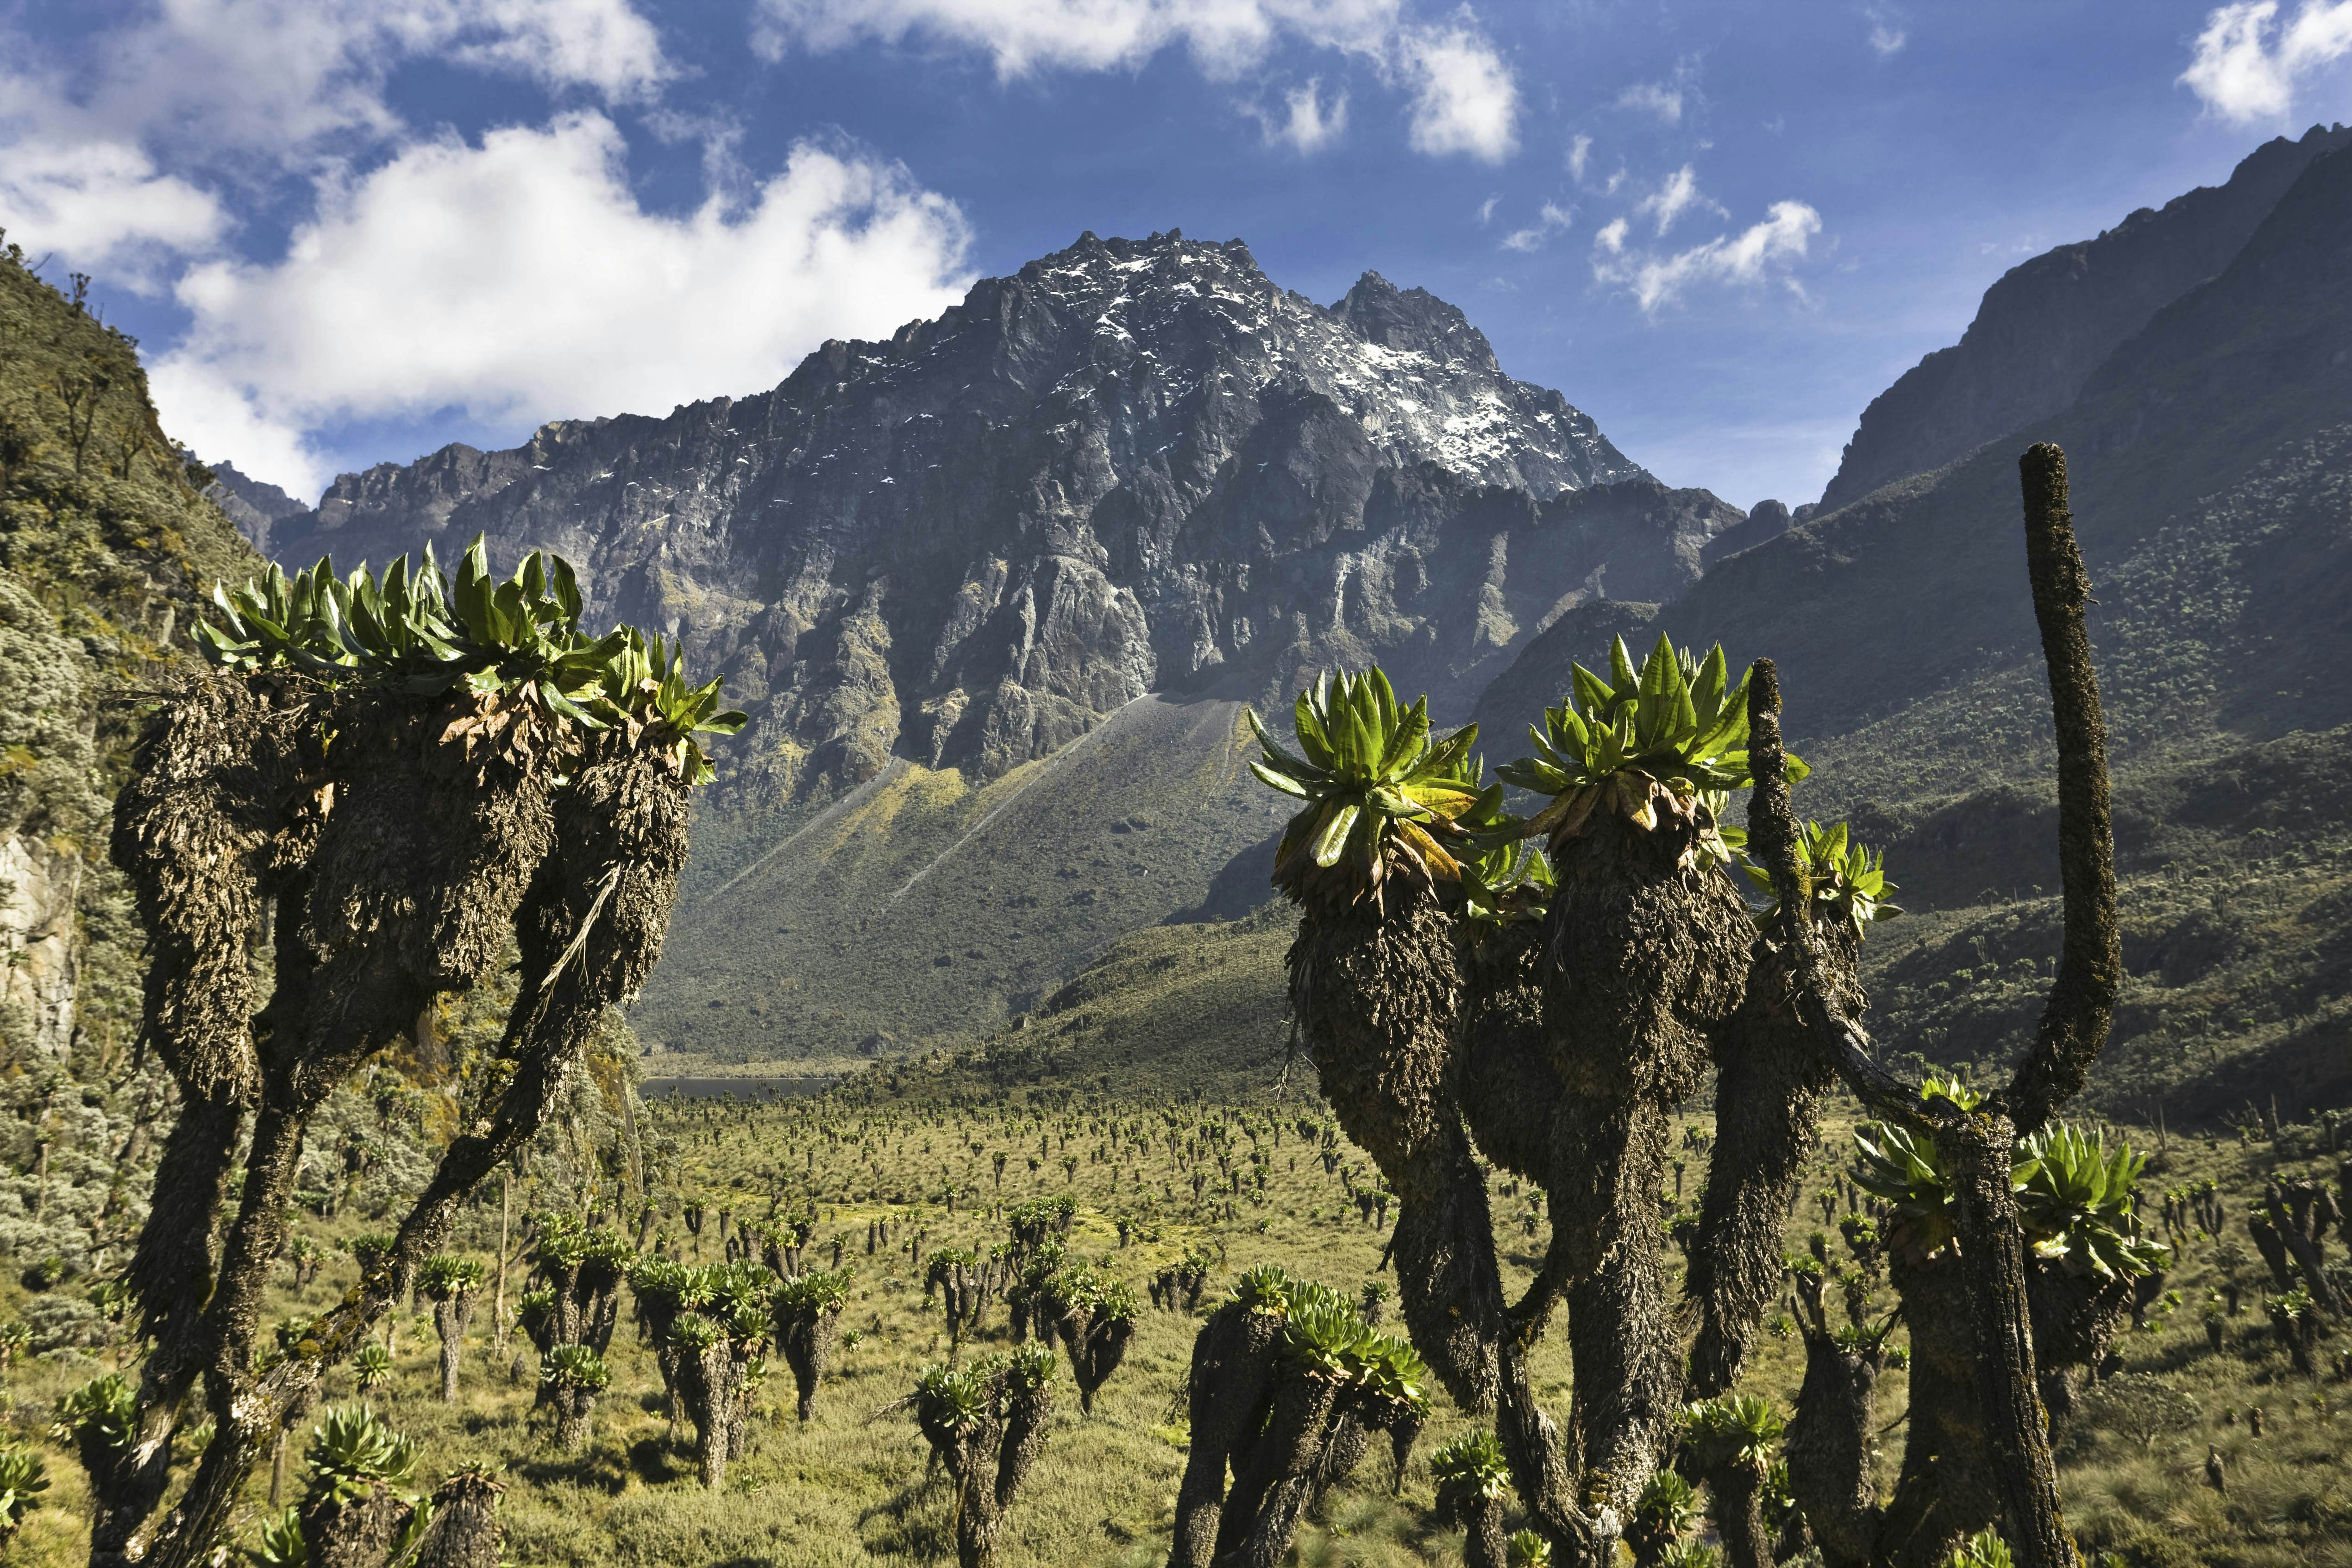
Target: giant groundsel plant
x=1381, y=796
x=1562, y=1006
x=394, y=782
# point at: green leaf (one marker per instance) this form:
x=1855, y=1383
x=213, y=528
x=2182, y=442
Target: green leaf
x=1283, y=782
x=1622, y=675
x=1339, y=819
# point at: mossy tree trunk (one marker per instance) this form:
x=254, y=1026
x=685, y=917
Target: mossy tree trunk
x=1976, y=1145
x=451, y=1315
x=398, y=866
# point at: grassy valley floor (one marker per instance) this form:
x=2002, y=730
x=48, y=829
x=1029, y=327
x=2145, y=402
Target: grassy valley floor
x=854, y=1486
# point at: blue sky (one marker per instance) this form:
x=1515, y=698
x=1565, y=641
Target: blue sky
x=348, y=231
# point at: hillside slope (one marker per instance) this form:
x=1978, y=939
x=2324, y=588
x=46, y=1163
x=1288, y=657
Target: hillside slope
x=923, y=910
x=2210, y=464
x=106, y=550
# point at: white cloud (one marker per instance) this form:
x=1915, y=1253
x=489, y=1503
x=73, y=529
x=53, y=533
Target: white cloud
x=1227, y=36
x=1486, y=208
x=103, y=204
x=1464, y=98
x=521, y=279
x=1765, y=250
x=1580, y=153
x=2247, y=68
x=1888, y=34
x=278, y=76
x=516, y=278
x=1309, y=125
x=227, y=91
x=1552, y=219
x=1653, y=98
x=1671, y=200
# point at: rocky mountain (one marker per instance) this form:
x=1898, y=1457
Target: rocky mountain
x=254, y=506
x=1132, y=466
x=1106, y=499
x=2050, y=322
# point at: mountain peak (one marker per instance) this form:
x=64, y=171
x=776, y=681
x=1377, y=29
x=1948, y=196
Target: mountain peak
x=1414, y=321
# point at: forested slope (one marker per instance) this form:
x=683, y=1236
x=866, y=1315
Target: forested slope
x=106, y=548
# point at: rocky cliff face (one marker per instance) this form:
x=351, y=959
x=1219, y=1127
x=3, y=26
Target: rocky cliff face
x=254, y=506
x=2046, y=325
x=1133, y=465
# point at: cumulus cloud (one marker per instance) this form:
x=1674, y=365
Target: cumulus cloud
x=2248, y=67
x=548, y=289
x=1579, y=154
x=1551, y=220
x=104, y=203
x=234, y=88
x=1766, y=251
x=518, y=278
x=1307, y=124
x=1464, y=99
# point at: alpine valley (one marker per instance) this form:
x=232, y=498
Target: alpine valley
x=996, y=591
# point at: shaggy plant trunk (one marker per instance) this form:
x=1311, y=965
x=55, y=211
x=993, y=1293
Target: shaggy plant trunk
x=807, y=1343
x=670, y=1360
x=1312, y=1438
x=464, y=1532
x=1095, y=1348
x=1770, y=1080
x=450, y=1317
x=1376, y=999
x=708, y=1388
x=1228, y=1393
x=1511, y=1097
x=574, y=1410
x=1736, y=1506
x=739, y=1410
x=1509, y=1090
x=1644, y=959
x=2075, y=1319
x=1980, y=1150
x=418, y=873
x=1483, y=1545
x=1829, y=1445
x=357, y=1533
x=1976, y=1145
x=989, y=1459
